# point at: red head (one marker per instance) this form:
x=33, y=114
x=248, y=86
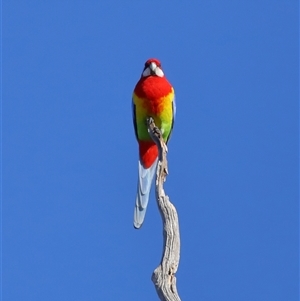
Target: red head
x=152, y=68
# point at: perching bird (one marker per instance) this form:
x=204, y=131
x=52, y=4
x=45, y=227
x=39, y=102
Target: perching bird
x=154, y=97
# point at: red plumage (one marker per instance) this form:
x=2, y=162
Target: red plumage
x=153, y=97
x=148, y=153
x=150, y=90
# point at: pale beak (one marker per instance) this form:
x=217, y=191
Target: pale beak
x=152, y=67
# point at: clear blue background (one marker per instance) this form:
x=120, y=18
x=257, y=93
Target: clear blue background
x=70, y=155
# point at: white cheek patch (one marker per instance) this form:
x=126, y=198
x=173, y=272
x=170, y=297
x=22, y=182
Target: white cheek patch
x=159, y=72
x=146, y=72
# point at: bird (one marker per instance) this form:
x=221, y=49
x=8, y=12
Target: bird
x=153, y=96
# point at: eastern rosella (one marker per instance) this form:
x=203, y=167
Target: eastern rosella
x=154, y=97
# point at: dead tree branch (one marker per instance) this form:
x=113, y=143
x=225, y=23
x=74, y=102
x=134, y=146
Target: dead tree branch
x=163, y=276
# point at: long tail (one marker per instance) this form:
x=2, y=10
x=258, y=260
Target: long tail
x=143, y=191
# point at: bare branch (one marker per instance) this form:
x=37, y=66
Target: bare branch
x=163, y=276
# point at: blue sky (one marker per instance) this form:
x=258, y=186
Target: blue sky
x=69, y=166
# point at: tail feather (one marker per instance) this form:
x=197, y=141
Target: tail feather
x=145, y=179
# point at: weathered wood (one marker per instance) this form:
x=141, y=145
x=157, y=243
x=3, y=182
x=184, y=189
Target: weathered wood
x=163, y=276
